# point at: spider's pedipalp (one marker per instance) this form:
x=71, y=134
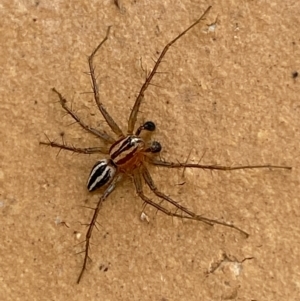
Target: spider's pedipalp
x=155, y=147
x=147, y=126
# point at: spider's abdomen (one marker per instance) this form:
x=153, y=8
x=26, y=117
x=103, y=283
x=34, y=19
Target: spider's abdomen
x=127, y=152
x=102, y=172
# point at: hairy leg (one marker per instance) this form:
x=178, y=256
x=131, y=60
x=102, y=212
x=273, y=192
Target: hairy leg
x=138, y=101
x=110, y=121
x=88, y=236
x=87, y=150
x=95, y=132
x=211, y=167
x=190, y=214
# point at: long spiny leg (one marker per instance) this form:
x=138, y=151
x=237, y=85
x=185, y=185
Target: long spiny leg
x=95, y=132
x=211, y=167
x=88, y=236
x=86, y=150
x=191, y=215
x=112, y=124
x=135, y=109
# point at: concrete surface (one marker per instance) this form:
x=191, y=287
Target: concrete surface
x=227, y=93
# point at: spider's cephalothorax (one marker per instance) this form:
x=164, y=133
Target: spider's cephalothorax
x=126, y=155
x=129, y=153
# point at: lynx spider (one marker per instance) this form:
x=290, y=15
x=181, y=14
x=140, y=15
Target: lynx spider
x=130, y=154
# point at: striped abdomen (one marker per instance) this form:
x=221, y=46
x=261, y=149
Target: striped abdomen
x=102, y=172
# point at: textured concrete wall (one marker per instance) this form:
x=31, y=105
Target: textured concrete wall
x=227, y=93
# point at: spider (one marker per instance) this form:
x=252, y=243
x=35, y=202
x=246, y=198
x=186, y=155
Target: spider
x=130, y=154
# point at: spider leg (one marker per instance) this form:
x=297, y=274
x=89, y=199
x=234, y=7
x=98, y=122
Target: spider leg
x=88, y=235
x=139, y=189
x=135, y=109
x=87, y=150
x=217, y=167
x=191, y=215
x=110, y=121
x=95, y=132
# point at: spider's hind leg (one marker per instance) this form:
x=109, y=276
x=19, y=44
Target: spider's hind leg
x=92, y=224
x=183, y=211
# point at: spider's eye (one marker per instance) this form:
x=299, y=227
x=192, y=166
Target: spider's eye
x=155, y=147
x=149, y=126
x=100, y=174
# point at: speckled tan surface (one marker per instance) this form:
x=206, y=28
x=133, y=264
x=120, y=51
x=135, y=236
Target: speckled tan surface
x=228, y=93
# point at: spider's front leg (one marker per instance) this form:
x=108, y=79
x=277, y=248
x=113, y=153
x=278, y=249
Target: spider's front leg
x=140, y=98
x=110, y=121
